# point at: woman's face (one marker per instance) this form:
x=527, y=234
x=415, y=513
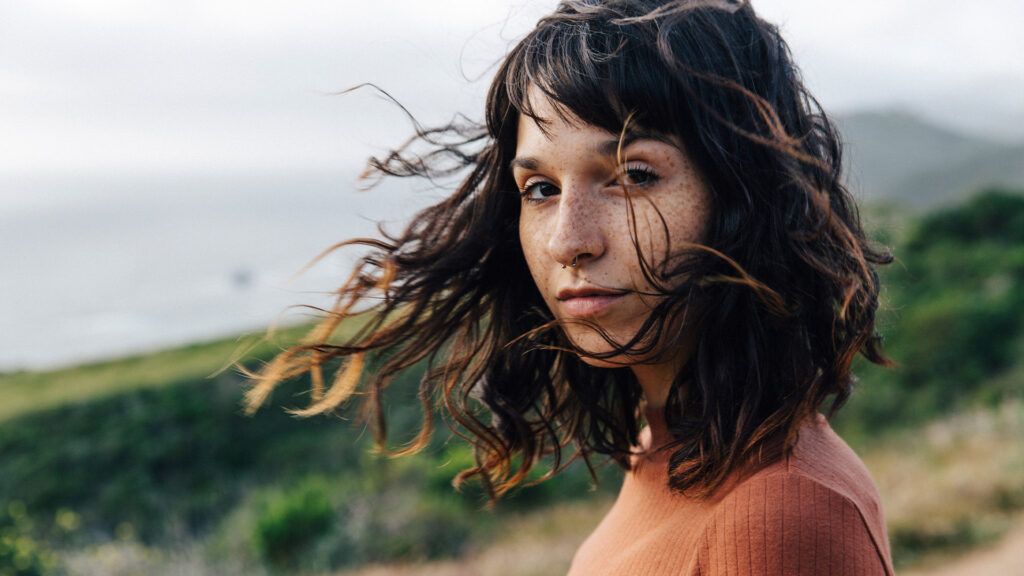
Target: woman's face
x=574, y=206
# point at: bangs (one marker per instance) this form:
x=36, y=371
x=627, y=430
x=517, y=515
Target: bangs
x=599, y=73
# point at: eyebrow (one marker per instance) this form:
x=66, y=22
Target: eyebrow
x=606, y=148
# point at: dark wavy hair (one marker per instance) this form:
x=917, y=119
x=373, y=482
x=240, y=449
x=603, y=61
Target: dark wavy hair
x=784, y=291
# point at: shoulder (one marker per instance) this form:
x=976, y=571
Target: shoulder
x=816, y=512
x=822, y=456
x=788, y=523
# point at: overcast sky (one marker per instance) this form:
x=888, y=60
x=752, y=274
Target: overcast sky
x=134, y=86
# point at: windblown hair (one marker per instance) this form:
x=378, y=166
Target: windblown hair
x=784, y=290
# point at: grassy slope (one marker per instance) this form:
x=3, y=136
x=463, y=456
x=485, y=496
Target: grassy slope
x=151, y=448
x=23, y=393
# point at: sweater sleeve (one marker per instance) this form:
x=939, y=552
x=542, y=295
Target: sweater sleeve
x=787, y=524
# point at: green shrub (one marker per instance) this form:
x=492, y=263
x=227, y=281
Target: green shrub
x=291, y=521
x=20, y=553
x=991, y=214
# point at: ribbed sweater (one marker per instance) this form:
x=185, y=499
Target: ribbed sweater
x=814, y=512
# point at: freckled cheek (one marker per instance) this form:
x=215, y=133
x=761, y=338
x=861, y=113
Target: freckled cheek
x=533, y=243
x=687, y=213
x=530, y=241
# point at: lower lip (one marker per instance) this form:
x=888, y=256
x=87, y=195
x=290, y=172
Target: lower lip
x=589, y=305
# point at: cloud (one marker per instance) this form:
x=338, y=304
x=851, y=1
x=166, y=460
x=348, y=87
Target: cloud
x=131, y=86
x=874, y=52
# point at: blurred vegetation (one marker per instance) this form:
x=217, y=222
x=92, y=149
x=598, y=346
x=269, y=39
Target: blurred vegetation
x=954, y=483
x=151, y=450
x=21, y=554
x=952, y=318
x=290, y=520
x=175, y=460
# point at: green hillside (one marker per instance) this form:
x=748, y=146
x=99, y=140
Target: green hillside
x=153, y=451
x=952, y=317
x=24, y=392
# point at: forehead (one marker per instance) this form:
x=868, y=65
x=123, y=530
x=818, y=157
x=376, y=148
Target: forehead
x=553, y=131
x=550, y=127
x=543, y=119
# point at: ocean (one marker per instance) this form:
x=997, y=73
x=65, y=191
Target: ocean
x=96, y=267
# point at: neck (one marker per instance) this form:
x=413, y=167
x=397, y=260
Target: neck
x=656, y=379
x=655, y=418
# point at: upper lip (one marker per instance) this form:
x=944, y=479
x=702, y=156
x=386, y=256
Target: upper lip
x=567, y=293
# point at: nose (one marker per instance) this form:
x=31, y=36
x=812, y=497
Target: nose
x=577, y=232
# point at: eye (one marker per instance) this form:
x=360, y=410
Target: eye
x=544, y=188
x=640, y=175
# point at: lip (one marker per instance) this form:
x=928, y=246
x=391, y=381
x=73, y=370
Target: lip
x=588, y=301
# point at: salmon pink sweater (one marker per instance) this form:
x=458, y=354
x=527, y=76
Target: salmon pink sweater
x=815, y=512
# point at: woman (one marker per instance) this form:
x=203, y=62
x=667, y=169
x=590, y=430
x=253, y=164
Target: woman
x=651, y=225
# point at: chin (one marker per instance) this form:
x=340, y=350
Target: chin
x=595, y=344
x=590, y=341
x=598, y=363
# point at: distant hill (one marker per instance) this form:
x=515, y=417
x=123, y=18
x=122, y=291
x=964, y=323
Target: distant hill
x=895, y=155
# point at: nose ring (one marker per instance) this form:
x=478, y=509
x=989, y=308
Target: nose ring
x=573, y=261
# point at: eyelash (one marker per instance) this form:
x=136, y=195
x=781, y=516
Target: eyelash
x=651, y=175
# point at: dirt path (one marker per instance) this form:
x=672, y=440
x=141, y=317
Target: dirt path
x=1005, y=557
